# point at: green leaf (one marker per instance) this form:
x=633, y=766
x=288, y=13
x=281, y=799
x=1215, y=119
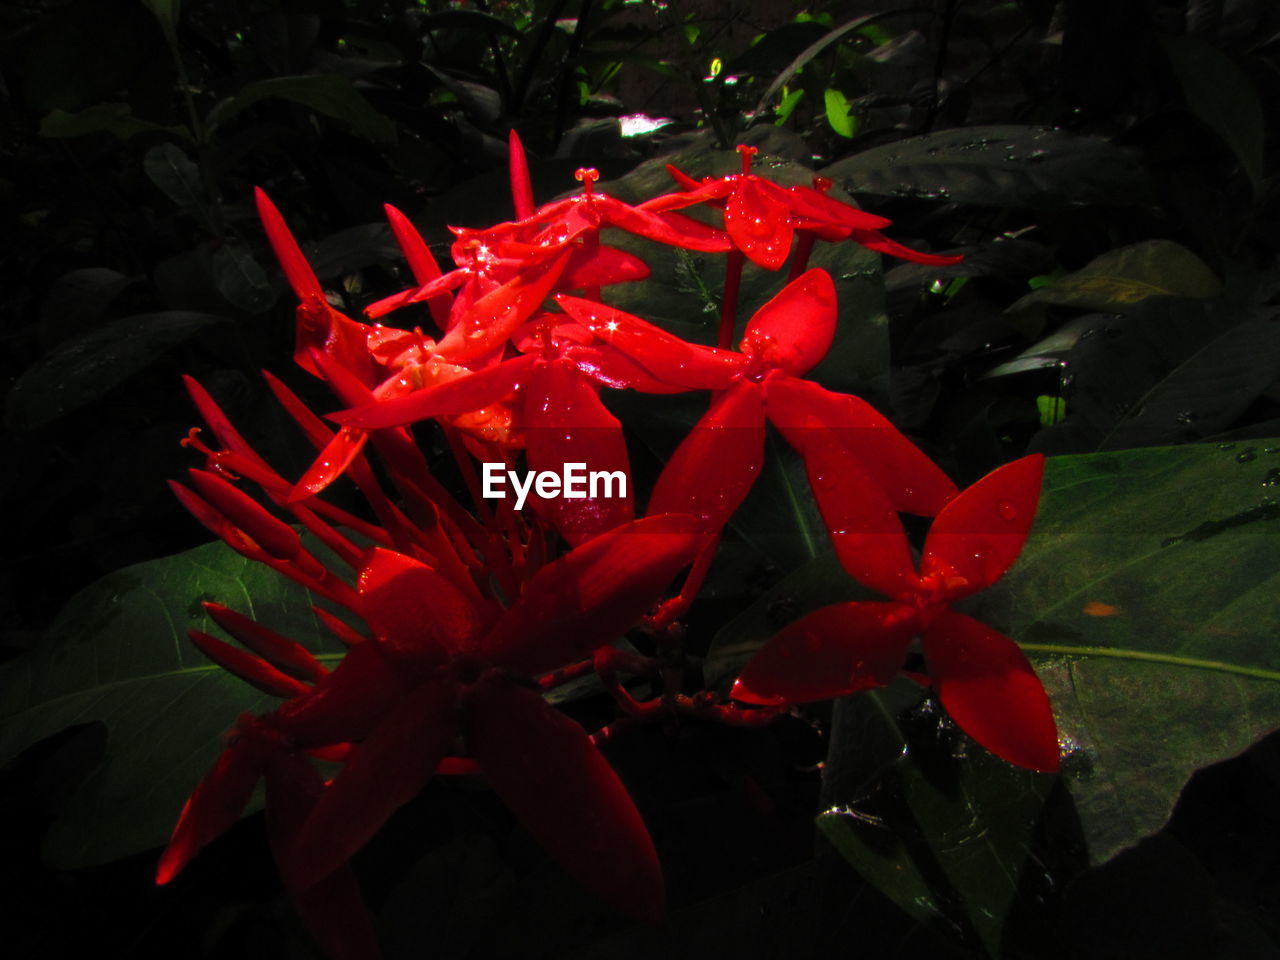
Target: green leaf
x=170, y=169
x=116, y=119
x=1118, y=279
x=83, y=368
x=241, y=279
x=1002, y=166
x=118, y=654
x=1052, y=410
x=837, y=106
x=326, y=94
x=167, y=13
x=788, y=105
x=77, y=299
x=1222, y=98
x=1150, y=587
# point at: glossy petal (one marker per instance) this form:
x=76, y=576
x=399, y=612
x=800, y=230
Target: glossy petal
x=793, y=331
x=759, y=224
x=414, y=612
x=252, y=670
x=670, y=230
x=832, y=652
x=804, y=411
x=385, y=772
x=521, y=186
x=217, y=422
x=979, y=534
x=666, y=357
x=564, y=423
x=591, y=594
x=812, y=205
x=296, y=269
x=338, y=454
x=600, y=267
x=332, y=909
x=492, y=319
x=421, y=262
x=607, y=366
x=715, y=466
x=546, y=769
x=449, y=399
x=882, y=244
x=991, y=691
x=864, y=527
x=271, y=533
x=214, y=805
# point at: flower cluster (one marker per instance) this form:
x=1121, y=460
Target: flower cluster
x=471, y=612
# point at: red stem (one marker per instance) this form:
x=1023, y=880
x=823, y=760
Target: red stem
x=729, y=301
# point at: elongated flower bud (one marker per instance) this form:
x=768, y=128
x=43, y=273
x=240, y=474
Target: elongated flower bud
x=278, y=650
x=271, y=533
x=253, y=671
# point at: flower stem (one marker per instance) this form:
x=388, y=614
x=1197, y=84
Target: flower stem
x=803, y=248
x=729, y=301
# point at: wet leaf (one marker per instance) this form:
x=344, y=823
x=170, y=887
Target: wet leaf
x=118, y=653
x=1119, y=279
x=1004, y=166
x=1150, y=590
x=116, y=119
x=170, y=169
x=241, y=279
x=1222, y=98
x=837, y=107
x=77, y=299
x=85, y=367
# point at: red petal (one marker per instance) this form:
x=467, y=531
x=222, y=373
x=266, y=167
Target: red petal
x=759, y=224
x=716, y=465
x=347, y=703
x=591, y=594
x=668, y=358
x=333, y=909
x=601, y=267
x=492, y=319
x=979, y=534
x=421, y=262
x=793, y=331
x=832, y=652
x=214, y=805
x=882, y=244
x=546, y=769
x=864, y=528
x=686, y=182
x=991, y=691
x=450, y=399
x=431, y=291
x=913, y=482
x=811, y=204
x=332, y=462
x=521, y=186
x=271, y=533
x=608, y=366
x=217, y=421
x=415, y=612
x=565, y=423
x=296, y=269
x=662, y=228
x=384, y=773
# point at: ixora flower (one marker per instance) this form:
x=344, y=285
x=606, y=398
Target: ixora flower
x=443, y=662
x=983, y=679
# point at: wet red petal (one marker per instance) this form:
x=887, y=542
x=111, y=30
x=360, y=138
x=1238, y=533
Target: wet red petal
x=450, y=399
x=809, y=203
x=413, y=611
x=979, y=534
x=214, y=805
x=546, y=769
x=759, y=224
x=666, y=357
x=421, y=262
x=347, y=703
x=832, y=652
x=385, y=772
x=608, y=366
x=793, y=331
x=296, y=269
x=715, y=466
x=662, y=228
x=271, y=533
x=491, y=320
x=601, y=267
x=252, y=670
x=804, y=411
x=332, y=462
x=991, y=691
x=882, y=244
x=565, y=423
x=591, y=594
x=217, y=421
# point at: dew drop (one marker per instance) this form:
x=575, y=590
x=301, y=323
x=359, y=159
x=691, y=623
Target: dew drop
x=1007, y=510
x=1247, y=455
x=1226, y=446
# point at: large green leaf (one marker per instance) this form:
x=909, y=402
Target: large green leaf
x=118, y=654
x=83, y=368
x=1119, y=279
x=1005, y=166
x=1151, y=586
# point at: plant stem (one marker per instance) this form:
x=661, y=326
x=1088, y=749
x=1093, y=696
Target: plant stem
x=729, y=301
x=1258, y=673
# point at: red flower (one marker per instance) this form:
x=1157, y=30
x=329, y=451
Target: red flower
x=983, y=679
